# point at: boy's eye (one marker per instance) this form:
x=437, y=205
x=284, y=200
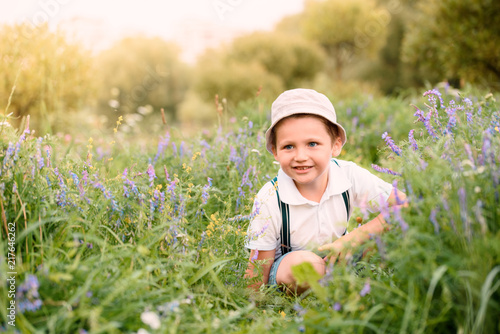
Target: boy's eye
x=288, y=147
x=313, y=144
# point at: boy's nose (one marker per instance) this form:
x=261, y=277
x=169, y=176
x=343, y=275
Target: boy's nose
x=300, y=155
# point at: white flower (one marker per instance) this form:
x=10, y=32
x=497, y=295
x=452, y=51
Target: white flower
x=152, y=319
x=142, y=331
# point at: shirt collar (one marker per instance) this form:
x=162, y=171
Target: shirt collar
x=337, y=184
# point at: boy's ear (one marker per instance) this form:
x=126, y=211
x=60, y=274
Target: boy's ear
x=337, y=147
x=273, y=148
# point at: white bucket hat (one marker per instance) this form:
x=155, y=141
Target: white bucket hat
x=302, y=101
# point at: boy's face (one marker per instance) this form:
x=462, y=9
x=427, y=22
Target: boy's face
x=304, y=149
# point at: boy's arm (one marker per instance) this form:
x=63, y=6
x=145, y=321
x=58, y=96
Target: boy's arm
x=266, y=267
x=361, y=234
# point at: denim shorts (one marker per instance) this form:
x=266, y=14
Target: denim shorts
x=274, y=267
x=274, y=270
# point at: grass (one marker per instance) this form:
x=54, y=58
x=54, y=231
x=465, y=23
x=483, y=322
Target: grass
x=119, y=236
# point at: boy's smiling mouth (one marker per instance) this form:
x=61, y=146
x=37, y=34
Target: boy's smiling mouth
x=302, y=167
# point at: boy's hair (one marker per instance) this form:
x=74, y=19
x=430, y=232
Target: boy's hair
x=332, y=129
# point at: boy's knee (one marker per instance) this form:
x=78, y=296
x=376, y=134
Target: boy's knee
x=317, y=262
x=295, y=258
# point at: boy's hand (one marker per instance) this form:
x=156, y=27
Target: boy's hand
x=337, y=251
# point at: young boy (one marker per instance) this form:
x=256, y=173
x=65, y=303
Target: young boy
x=313, y=192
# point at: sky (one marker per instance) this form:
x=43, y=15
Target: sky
x=193, y=24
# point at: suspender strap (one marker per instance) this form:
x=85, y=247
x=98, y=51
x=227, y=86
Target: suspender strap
x=347, y=199
x=285, y=218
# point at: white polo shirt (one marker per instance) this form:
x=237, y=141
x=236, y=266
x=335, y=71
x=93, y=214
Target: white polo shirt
x=314, y=224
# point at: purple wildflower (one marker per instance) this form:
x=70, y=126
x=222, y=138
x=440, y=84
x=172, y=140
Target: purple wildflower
x=107, y=194
x=28, y=296
x=391, y=144
x=479, y=216
x=380, y=246
x=385, y=170
x=167, y=176
x=255, y=256
x=399, y=219
x=171, y=187
x=39, y=157
x=48, y=150
x=255, y=236
x=399, y=201
x=203, y=236
x=85, y=176
x=233, y=156
x=337, y=306
x=128, y=183
x=486, y=149
x=174, y=149
x=251, y=216
x=384, y=209
x=76, y=181
x=366, y=289
x=61, y=194
x=420, y=114
x=452, y=119
x=162, y=145
x=151, y=174
x=204, y=194
x=181, y=149
x=411, y=138
x=463, y=210
x=8, y=155
x=446, y=208
x=433, y=220
x=204, y=143
x=432, y=94
x=469, y=117
x=428, y=125
x=299, y=309
x=469, y=154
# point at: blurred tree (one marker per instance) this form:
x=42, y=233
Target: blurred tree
x=290, y=25
x=389, y=71
x=456, y=39
x=346, y=28
x=233, y=80
x=291, y=58
x=51, y=76
x=141, y=71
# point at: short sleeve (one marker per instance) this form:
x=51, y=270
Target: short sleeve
x=368, y=190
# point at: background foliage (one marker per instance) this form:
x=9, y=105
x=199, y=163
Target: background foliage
x=43, y=76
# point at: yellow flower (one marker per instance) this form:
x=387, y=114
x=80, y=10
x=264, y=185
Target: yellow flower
x=283, y=314
x=195, y=155
x=188, y=169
